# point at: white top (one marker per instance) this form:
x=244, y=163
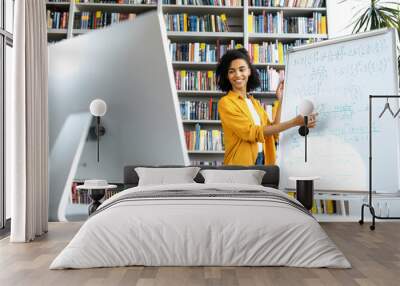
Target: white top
x=256, y=119
x=89, y=187
x=310, y=178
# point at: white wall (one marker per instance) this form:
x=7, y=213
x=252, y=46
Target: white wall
x=341, y=15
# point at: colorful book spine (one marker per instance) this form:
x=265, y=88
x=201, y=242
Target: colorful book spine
x=195, y=23
x=132, y=2
x=57, y=20
x=206, y=163
x=200, y=52
x=223, y=3
x=276, y=23
x=195, y=80
x=204, y=139
x=99, y=19
x=199, y=110
x=269, y=78
x=287, y=3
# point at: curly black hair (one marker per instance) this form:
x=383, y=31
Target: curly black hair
x=223, y=67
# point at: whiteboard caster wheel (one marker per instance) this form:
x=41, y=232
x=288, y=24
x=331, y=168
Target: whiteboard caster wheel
x=372, y=227
x=361, y=222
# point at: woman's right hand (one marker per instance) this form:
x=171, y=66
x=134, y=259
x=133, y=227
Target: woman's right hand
x=299, y=120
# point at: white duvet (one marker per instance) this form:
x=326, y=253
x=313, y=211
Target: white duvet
x=200, y=231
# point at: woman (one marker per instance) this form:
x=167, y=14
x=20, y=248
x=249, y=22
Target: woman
x=249, y=135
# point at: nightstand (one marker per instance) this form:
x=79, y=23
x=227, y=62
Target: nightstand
x=96, y=190
x=305, y=190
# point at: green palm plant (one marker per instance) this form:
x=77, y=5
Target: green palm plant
x=378, y=14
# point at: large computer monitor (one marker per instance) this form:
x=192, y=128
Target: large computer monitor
x=128, y=66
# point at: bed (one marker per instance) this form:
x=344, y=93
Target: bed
x=198, y=224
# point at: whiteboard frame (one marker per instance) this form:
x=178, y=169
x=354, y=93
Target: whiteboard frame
x=348, y=38
x=345, y=39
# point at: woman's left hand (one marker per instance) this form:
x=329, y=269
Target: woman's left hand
x=312, y=120
x=279, y=90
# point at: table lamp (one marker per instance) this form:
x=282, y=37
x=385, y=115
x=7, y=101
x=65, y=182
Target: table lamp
x=98, y=108
x=306, y=108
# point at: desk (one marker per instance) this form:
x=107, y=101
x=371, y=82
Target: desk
x=305, y=190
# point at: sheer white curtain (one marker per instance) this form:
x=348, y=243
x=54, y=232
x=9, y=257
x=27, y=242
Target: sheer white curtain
x=27, y=124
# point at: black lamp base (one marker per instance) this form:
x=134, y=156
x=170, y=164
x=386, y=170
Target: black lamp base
x=96, y=196
x=303, y=130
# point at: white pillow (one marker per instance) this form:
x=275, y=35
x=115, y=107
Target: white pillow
x=163, y=176
x=248, y=177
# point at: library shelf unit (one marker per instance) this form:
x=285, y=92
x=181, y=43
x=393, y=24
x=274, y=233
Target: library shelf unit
x=207, y=152
x=57, y=26
x=201, y=121
x=204, y=36
x=237, y=19
x=75, y=11
x=346, y=205
x=235, y=16
x=114, y=7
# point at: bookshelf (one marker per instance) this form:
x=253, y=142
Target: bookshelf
x=346, y=205
x=241, y=31
x=207, y=31
x=85, y=15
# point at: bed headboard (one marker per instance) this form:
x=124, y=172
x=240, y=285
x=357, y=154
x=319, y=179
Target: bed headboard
x=270, y=179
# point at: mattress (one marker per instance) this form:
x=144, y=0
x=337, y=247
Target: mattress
x=201, y=225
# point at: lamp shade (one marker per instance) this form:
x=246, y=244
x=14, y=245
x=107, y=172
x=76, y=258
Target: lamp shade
x=306, y=107
x=98, y=107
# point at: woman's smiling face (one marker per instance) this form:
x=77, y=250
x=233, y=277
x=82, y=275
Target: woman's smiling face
x=238, y=74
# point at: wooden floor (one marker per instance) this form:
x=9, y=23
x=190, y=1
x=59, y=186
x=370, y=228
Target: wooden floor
x=374, y=255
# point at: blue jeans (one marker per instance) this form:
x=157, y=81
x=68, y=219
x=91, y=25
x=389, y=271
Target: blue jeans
x=260, y=159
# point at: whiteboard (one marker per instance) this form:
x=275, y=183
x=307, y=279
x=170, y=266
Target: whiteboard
x=338, y=76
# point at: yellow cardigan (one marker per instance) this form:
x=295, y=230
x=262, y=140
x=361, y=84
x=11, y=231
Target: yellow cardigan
x=241, y=134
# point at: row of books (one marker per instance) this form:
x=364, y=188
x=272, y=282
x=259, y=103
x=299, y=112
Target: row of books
x=79, y=196
x=118, y=1
x=200, y=52
x=328, y=207
x=288, y=3
x=199, y=110
x=268, y=52
x=205, y=163
x=227, y=3
x=278, y=24
x=57, y=20
x=304, y=25
x=206, y=80
x=265, y=52
x=195, y=80
x=99, y=19
x=204, y=140
x=208, y=110
x=82, y=196
x=110, y=192
x=195, y=23
x=270, y=78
